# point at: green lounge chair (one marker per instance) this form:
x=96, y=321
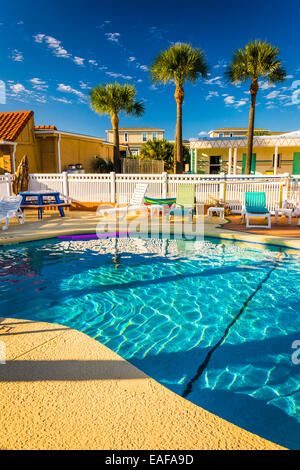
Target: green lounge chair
x=255, y=206
x=185, y=202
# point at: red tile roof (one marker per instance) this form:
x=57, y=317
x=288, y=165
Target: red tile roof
x=40, y=128
x=12, y=124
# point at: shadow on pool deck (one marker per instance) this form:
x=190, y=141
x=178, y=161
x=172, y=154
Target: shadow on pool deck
x=32, y=371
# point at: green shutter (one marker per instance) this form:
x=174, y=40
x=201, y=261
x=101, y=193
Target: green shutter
x=244, y=163
x=253, y=163
x=296, y=163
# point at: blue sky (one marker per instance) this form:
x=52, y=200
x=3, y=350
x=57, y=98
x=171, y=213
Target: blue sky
x=52, y=53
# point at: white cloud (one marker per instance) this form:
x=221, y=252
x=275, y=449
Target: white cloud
x=119, y=75
x=211, y=94
x=20, y=22
x=78, y=60
x=265, y=85
x=38, y=84
x=131, y=59
x=113, y=37
x=53, y=44
x=144, y=68
x=68, y=89
x=83, y=85
x=214, y=81
x=203, y=133
x=272, y=95
x=61, y=100
x=56, y=48
x=220, y=64
x=17, y=56
x=230, y=100
x=93, y=62
x=18, y=88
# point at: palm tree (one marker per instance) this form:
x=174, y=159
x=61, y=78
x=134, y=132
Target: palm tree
x=112, y=99
x=257, y=60
x=179, y=64
x=162, y=150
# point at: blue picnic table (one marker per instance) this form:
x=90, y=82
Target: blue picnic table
x=40, y=200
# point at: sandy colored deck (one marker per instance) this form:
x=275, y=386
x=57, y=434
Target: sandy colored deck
x=281, y=229
x=77, y=222
x=60, y=389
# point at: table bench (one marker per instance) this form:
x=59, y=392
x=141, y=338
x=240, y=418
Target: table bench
x=41, y=201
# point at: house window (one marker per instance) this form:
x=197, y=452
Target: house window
x=278, y=160
x=154, y=135
x=144, y=136
x=135, y=151
x=231, y=134
x=125, y=136
x=221, y=134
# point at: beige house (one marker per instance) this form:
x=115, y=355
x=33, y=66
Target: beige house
x=48, y=149
x=237, y=132
x=225, y=151
x=134, y=137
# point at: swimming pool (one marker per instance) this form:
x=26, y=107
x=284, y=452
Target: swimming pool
x=212, y=320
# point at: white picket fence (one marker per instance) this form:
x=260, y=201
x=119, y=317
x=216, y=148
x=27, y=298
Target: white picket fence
x=97, y=188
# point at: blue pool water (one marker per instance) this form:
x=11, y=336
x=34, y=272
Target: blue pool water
x=212, y=320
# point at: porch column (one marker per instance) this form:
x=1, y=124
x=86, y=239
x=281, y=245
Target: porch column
x=192, y=163
x=196, y=160
x=229, y=161
x=275, y=160
x=234, y=160
x=14, y=159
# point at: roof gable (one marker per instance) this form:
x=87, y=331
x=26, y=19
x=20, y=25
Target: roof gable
x=12, y=124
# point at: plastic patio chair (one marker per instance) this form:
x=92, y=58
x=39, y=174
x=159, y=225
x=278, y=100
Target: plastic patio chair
x=10, y=208
x=256, y=206
x=185, y=202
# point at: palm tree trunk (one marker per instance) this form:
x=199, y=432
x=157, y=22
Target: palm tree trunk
x=179, y=97
x=117, y=159
x=253, y=92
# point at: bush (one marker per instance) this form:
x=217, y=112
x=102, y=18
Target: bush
x=101, y=165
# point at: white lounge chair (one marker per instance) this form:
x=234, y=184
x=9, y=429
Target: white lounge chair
x=136, y=203
x=10, y=208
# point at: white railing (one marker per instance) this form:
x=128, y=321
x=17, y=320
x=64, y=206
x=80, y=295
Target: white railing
x=111, y=187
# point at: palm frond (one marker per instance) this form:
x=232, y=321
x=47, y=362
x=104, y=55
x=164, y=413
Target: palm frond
x=257, y=60
x=178, y=64
x=113, y=98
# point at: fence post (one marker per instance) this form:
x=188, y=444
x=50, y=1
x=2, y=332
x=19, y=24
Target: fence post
x=112, y=186
x=222, y=194
x=8, y=184
x=164, y=185
x=65, y=184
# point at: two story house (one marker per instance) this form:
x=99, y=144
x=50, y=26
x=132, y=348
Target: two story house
x=225, y=151
x=134, y=137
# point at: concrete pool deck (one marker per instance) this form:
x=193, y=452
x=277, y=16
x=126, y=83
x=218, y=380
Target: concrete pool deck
x=60, y=389
x=77, y=222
